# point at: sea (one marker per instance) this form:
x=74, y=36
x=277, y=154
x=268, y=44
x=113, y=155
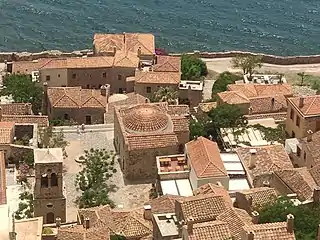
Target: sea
x=281, y=27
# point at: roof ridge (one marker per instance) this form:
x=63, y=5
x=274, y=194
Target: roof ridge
x=66, y=95
x=314, y=99
x=89, y=98
x=207, y=153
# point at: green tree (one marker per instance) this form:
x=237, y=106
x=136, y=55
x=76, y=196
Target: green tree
x=307, y=217
x=272, y=135
x=227, y=116
x=302, y=75
x=92, y=179
x=50, y=139
x=165, y=94
x=197, y=128
x=247, y=64
x=223, y=80
x=193, y=68
x=23, y=90
x=26, y=207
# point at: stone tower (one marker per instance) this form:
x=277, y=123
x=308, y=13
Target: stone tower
x=49, y=200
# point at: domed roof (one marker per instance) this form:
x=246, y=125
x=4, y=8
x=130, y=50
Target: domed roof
x=117, y=97
x=145, y=118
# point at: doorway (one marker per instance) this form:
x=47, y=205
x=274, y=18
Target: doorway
x=50, y=217
x=88, y=120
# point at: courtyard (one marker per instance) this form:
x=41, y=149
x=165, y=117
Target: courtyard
x=97, y=136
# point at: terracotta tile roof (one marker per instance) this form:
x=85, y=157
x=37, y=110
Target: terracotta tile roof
x=106, y=43
x=180, y=124
x=236, y=219
x=202, y=208
x=152, y=141
x=311, y=105
x=180, y=110
x=313, y=146
x=206, y=107
x=42, y=121
x=211, y=188
x=164, y=204
x=260, y=196
x=204, y=157
x=258, y=90
x=167, y=64
x=270, y=231
x=299, y=180
x=95, y=214
x=78, y=232
x=158, y=77
x=3, y=180
x=233, y=97
x=281, y=116
x=315, y=173
x=130, y=224
x=216, y=230
x=143, y=41
x=16, y=109
x=76, y=97
x=267, y=159
x=268, y=104
x=126, y=59
x=6, y=132
x=26, y=67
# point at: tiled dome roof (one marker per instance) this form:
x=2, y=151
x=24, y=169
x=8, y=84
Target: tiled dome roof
x=145, y=118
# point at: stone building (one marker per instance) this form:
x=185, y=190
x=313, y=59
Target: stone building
x=258, y=99
x=144, y=131
x=49, y=199
x=75, y=104
x=303, y=115
x=88, y=72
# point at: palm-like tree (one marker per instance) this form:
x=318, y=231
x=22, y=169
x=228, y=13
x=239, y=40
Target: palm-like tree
x=166, y=94
x=302, y=75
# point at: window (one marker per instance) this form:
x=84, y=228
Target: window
x=48, y=78
x=298, y=121
x=44, y=180
x=88, y=120
x=74, y=76
x=66, y=116
x=49, y=205
x=298, y=151
x=58, y=75
x=291, y=114
x=63, y=85
x=293, y=135
x=119, y=77
x=120, y=90
x=100, y=86
x=104, y=75
x=148, y=89
x=54, y=180
x=88, y=86
x=305, y=156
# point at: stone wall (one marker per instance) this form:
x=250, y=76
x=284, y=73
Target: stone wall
x=266, y=58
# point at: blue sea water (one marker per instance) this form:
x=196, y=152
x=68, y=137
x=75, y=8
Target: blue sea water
x=282, y=27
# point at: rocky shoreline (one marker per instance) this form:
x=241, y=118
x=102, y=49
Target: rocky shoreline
x=266, y=58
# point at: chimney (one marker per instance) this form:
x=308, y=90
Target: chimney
x=114, y=50
x=316, y=194
x=266, y=183
x=139, y=51
x=147, y=212
x=124, y=37
x=301, y=101
x=87, y=223
x=250, y=201
x=103, y=90
x=272, y=102
x=309, y=135
x=154, y=59
x=252, y=160
x=45, y=98
x=290, y=222
x=26, y=109
x=58, y=222
x=255, y=217
x=190, y=222
x=250, y=236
